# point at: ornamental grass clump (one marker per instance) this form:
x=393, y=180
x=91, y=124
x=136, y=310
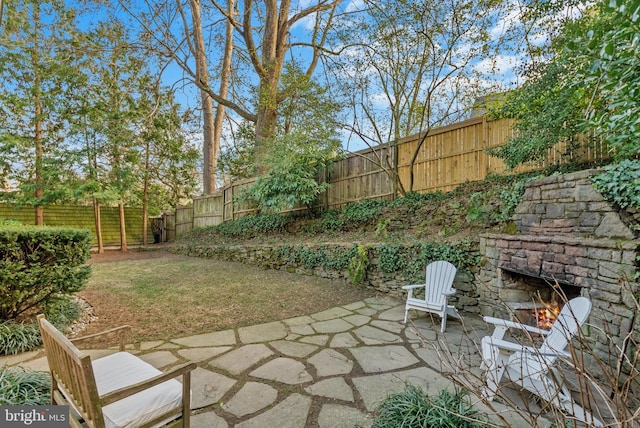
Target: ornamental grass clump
x=413, y=408
x=21, y=387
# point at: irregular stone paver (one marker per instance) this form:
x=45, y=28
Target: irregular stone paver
x=302, y=330
x=293, y=349
x=252, y=397
x=337, y=416
x=357, y=320
x=320, y=339
x=160, y=359
x=375, y=359
x=168, y=346
x=330, y=362
x=298, y=321
x=331, y=326
x=38, y=365
x=284, y=370
x=208, y=387
x=208, y=420
x=202, y=354
x=335, y=388
x=390, y=326
x=393, y=314
x=366, y=311
x=217, y=338
x=353, y=306
x=374, y=336
x=331, y=314
x=150, y=345
x=262, y=332
x=375, y=388
x=11, y=360
x=343, y=340
x=242, y=358
x=290, y=413
x=414, y=334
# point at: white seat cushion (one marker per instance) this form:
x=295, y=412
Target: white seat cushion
x=123, y=369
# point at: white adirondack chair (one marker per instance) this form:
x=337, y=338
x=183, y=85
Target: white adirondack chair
x=437, y=289
x=533, y=368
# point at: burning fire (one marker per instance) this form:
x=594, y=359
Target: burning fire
x=546, y=316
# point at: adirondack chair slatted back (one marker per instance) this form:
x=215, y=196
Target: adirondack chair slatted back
x=573, y=314
x=72, y=374
x=438, y=278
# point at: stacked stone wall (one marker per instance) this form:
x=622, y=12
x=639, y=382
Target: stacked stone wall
x=567, y=205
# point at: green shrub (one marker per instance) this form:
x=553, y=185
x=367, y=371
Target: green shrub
x=38, y=264
x=357, y=269
x=20, y=387
x=412, y=408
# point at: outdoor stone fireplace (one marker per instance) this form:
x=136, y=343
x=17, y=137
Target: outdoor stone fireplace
x=570, y=242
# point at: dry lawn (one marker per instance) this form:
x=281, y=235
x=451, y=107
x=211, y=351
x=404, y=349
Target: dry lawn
x=163, y=295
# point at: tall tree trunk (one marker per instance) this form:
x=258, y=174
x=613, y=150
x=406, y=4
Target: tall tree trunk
x=145, y=194
x=123, y=229
x=224, y=80
x=98, y=222
x=209, y=150
x=39, y=193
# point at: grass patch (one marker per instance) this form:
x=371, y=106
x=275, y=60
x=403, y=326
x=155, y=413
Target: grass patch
x=169, y=296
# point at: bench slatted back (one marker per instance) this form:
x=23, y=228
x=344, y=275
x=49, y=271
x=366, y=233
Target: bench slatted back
x=72, y=375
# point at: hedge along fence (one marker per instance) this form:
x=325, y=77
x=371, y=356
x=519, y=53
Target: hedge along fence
x=81, y=217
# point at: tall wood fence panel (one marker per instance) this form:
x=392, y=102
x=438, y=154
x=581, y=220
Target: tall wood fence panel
x=184, y=219
x=208, y=210
x=82, y=217
x=360, y=176
x=448, y=156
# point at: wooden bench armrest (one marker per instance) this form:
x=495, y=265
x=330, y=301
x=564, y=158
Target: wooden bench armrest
x=118, y=331
x=122, y=393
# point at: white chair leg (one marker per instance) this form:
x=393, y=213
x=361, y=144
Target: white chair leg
x=494, y=368
x=406, y=315
x=443, y=324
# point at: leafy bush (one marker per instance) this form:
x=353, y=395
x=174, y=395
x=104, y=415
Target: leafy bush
x=38, y=264
x=413, y=408
x=620, y=183
x=20, y=387
x=357, y=268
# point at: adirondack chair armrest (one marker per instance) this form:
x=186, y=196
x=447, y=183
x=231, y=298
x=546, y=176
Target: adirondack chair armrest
x=449, y=292
x=516, y=347
x=127, y=391
x=119, y=332
x=411, y=287
x=511, y=324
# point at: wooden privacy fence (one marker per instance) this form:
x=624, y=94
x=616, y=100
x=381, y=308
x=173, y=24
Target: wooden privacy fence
x=82, y=217
x=445, y=158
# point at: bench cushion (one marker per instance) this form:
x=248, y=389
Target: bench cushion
x=123, y=369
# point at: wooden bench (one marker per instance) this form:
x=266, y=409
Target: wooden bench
x=114, y=391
